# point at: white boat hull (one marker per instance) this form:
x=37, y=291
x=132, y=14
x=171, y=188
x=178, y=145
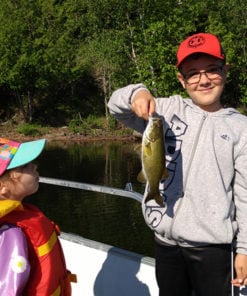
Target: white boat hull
x=103, y=270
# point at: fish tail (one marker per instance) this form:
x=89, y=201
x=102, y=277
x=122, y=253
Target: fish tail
x=156, y=197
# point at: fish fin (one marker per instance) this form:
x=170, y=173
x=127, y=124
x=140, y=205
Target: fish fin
x=141, y=177
x=157, y=198
x=148, y=149
x=165, y=174
x=138, y=150
x=138, y=147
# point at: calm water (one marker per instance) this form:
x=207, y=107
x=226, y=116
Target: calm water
x=106, y=218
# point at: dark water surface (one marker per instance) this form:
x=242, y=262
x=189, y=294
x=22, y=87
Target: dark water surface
x=114, y=220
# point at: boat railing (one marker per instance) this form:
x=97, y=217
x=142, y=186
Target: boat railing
x=127, y=192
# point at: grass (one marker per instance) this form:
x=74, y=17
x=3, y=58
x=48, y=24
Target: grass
x=32, y=130
x=92, y=127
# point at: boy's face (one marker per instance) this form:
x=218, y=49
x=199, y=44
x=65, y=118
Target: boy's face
x=204, y=79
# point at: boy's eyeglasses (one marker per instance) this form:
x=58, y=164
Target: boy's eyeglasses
x=212, y=73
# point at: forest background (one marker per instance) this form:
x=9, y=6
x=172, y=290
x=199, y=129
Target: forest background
x=60, y=60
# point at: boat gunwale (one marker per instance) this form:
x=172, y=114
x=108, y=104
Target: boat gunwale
x=74, y=238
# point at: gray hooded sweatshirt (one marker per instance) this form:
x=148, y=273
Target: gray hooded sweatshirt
x=206, y=157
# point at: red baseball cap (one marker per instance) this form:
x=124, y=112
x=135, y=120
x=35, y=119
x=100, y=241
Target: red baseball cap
x=200, y=43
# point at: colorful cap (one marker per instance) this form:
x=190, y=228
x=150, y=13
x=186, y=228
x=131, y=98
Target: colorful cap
x=200, y=43
x=14, y=154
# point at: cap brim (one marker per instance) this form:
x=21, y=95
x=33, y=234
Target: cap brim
x=26, y=153
x=198, y=52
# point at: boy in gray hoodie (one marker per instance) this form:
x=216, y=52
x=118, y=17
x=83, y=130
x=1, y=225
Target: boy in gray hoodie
x=206, y=191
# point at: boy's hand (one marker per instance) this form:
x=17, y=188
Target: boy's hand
x=143, y=104
x=240, y=265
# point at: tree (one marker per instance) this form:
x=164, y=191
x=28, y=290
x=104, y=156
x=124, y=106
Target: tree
x=71, y=54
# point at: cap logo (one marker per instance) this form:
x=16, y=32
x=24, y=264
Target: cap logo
x=196, y=41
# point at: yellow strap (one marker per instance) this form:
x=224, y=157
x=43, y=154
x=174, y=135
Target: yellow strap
x=9, y=205
x=47, y=247
x=57, y=292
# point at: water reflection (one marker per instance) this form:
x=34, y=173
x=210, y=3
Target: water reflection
x=113, y=220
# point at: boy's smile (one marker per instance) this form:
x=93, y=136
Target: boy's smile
x=204, y=80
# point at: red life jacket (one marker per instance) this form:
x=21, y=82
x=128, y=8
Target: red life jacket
x=48, y=275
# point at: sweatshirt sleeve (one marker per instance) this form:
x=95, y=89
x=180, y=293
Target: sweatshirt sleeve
x=240, y=197
x=15, y=268
x=120, y=107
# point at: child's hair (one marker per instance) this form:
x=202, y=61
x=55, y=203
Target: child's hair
x=5, y=176
x=196, y=56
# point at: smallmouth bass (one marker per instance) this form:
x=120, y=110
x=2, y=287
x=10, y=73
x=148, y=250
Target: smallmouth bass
x=153, y=159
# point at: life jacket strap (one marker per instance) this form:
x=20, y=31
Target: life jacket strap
x=47, y=247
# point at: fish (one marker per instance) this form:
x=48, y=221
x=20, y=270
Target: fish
x=153, y=159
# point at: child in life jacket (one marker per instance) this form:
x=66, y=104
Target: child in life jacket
x=32, y=260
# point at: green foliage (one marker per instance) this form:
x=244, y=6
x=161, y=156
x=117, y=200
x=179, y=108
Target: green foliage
x=112, y=123
x=60, y=58
x=93, y=125
x=30, y=130
x=87, y=125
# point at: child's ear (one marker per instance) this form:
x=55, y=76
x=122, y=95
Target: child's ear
x=3, y=188
x=181, y=79
x=13, y=174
